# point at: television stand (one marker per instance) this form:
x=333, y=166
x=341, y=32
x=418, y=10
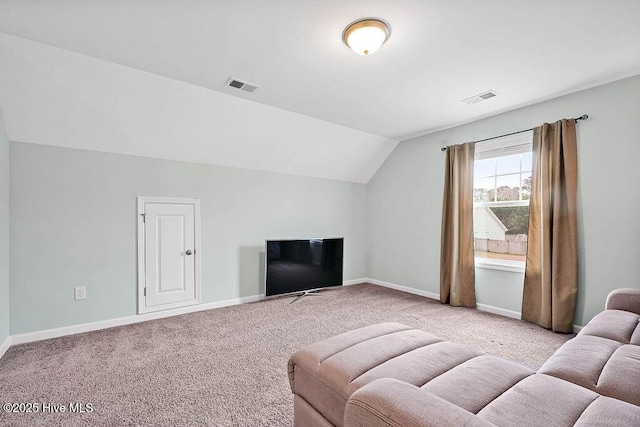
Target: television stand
x=306, y=294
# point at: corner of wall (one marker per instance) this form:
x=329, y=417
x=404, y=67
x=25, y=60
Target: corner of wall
x=5, y=341
x=404, y=199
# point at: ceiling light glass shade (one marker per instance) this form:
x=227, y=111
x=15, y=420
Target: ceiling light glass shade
x=366, y=36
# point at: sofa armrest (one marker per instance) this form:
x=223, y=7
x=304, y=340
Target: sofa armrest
x=626, y=299
x=389, y=402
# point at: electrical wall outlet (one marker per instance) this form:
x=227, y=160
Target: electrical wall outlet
x=80, y=292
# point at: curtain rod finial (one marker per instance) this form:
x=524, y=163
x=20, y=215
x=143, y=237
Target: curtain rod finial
x=583, y=117
x=443, y=149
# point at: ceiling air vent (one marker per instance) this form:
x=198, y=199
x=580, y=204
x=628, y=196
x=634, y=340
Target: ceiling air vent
x=482, y=97
x=239, y=84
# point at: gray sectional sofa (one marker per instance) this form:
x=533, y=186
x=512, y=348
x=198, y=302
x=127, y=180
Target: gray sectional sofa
x=392, y=375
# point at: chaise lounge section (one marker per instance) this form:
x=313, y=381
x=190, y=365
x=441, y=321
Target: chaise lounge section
x=392, y=375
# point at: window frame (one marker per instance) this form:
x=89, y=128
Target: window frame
x=510, y=145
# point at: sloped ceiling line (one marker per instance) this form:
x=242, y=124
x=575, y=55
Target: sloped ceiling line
x=56, y=97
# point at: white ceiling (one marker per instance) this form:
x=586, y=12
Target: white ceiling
x=56, y=97
x=440, y=52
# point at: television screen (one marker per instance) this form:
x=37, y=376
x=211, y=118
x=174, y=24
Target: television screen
x=303, y=265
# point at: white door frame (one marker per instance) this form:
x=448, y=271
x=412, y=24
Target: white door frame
x=142, y=308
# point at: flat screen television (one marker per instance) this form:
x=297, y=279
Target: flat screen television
x=295, y=266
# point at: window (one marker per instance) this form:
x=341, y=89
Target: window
x=502, y=186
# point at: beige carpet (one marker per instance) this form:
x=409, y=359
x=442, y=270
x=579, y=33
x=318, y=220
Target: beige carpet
x=227, y=367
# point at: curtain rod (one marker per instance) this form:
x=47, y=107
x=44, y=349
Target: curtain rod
x=582, y=117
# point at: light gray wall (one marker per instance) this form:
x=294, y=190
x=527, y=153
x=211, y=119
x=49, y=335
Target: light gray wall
x=405, y=199
x=73, y=217
x=4, y=232
x=73, y=222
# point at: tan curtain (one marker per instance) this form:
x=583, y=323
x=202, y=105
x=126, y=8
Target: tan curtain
x=551, y=274
x=457, y=269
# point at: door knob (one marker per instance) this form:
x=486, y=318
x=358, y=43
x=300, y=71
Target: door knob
x=189, y=252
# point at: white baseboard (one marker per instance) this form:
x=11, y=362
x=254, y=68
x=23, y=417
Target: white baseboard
x=4, y=346
x=404, y=288
x=128, y=320
x=121, y=321
x=482, y=307
x=500, y=311
x=432, y=295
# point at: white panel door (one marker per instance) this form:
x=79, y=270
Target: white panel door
x=169, y=267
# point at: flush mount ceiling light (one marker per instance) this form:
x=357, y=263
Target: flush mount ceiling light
x=365, y=36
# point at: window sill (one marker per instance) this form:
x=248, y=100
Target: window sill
x=500, y=264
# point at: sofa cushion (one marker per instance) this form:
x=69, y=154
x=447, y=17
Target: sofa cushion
x=327, y=373
x=581, y=360
x=321, y=350
x=475, y=383
x=626, y=299
x=391, y=403
x=620, y=377
x=617, y=325
x=605, y=411
x=419, y=366
x=539, y=400
x=593, y=379
x=388, y=402
x=604, y=357
x=635, y=338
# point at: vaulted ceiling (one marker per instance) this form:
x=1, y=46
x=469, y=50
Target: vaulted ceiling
x=147, y=77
